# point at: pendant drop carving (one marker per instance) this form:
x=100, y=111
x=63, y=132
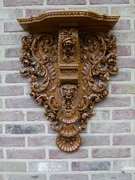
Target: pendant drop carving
x=68, y=69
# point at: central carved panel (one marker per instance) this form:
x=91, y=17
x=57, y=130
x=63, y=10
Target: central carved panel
x=69, y=56
x=68, y=72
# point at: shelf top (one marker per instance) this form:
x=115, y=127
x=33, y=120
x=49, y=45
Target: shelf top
x=68, y=18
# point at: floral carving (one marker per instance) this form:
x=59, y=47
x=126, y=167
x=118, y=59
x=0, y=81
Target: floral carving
x=68, y=72
x=68, y=41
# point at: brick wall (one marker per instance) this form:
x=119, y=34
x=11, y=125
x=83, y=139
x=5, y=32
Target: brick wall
x=27, y=144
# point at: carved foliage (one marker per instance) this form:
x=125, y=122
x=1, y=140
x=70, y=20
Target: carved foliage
x=68, y=74
x=98, y=55
x=39, y=56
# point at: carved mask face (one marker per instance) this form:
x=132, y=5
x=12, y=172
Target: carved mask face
x=68, y=91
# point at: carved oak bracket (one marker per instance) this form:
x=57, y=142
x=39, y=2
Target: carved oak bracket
x=68, y=59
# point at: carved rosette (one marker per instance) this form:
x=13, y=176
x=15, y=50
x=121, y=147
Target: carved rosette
x=68, y=72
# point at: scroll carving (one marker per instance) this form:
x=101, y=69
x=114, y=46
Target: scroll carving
x=68, y=72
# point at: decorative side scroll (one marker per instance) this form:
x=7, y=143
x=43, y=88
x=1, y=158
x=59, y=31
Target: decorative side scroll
x=68, y=71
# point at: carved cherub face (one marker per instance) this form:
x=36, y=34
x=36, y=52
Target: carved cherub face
x=68, y=90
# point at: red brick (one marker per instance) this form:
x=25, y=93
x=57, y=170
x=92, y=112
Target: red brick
x=114, y=102
x=123, y=89
x=27, y=177
x=11, y=116
x=10, y=65
x=10, y=39
x=66, y=2
x=12, y=167
x=123, y=114
x=12, y=52
x=7, y=14
x=50, y=131
x=1, y=153
x=99, y=9
x=124, y=165
x=1, y=130
x=35, y=116
x=95, y=140
x=101, y=114
x=31, y=12
x=12, y=141
x=11, y=90
x=42, y=141
x=12, y=27
x=26, y=154
x=15, y=78
x=124, y=140
x=8, y=3
x=69, y=177
x=20, y=103
x=121, y=76
x=124, y=37
x=109, y=2
x=91, y=166
x=57, y=154
x=124, y=11
x=48, y=166
x=124, y=50
x=24, y=128
x=109, y=127
x=1, y=103
x=126, y=62
x=112, y=176
x=111, y=153
x=122, y=25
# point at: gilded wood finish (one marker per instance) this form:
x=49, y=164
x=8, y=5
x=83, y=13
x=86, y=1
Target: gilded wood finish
x=68, y=68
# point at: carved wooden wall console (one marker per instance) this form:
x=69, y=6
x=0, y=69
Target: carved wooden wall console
x=68, y=59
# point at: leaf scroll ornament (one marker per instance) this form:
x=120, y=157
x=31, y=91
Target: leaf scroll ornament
x=68, y=74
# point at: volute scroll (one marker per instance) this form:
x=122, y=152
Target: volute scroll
x=68, y=59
